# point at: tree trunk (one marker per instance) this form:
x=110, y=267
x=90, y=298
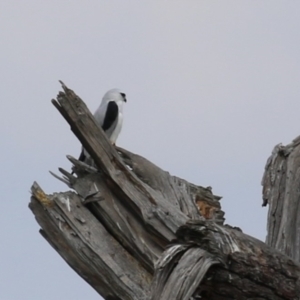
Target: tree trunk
x=223, y=263
x=281, y=191
x=133, y=231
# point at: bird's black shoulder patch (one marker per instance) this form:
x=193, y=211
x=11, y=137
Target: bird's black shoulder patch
x=111, y=115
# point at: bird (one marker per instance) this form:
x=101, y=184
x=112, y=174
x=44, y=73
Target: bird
x=109, y=116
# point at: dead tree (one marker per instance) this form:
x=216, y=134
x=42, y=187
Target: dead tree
x=133, y=231
x=281, y=191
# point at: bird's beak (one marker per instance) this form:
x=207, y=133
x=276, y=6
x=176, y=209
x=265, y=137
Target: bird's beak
x=124, y=97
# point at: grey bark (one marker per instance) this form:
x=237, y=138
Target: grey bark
x=210, y=261
x=133, y=231
x=281, y=191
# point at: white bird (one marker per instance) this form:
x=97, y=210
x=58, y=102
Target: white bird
x=109, y=116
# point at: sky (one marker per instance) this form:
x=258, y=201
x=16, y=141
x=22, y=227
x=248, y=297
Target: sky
x=212, y=87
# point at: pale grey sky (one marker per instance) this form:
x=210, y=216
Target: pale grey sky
x=212, y=86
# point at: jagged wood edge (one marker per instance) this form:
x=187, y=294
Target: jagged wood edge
x=281, y=192
x=107, y=160
x=66, y=224
x=157, y=218
x=139, y=218
x=233, y=266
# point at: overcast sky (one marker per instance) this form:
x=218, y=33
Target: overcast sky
x=212, y=86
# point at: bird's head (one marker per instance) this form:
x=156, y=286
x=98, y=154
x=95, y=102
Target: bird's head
x=115, y=95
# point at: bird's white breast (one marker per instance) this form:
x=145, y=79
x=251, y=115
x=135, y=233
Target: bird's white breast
x=118, y=127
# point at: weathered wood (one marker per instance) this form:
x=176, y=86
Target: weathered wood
x=125, y=211
x=87, y=247
x=138, y=204
x=178, y=191
x=281, y=191
x=180, y=271
x=160, y=216
x=208, y=261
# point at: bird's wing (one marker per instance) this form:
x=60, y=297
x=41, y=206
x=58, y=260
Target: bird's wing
x=111, y=115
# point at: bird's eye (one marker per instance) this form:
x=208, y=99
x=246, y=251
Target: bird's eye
x=124, y=96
